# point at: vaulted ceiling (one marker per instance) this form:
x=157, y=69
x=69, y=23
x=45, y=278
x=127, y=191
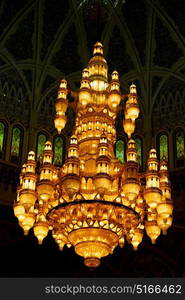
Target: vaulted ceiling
x=43, y=41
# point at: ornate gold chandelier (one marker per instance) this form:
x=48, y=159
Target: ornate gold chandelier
x=94, y=202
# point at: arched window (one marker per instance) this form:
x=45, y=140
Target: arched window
x=58, y=149
x=120, y=150
x=17, y=137
x=179, y=144
x=179, y=148
x=41, y=140
x=163, y=146
x=139, y=149
x=2, y=139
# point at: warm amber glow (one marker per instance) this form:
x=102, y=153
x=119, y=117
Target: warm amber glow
x=164, y=223
x=93, y=243
x=93, y=202
x=19, y=211
x=28, y=222
x=132, y=107
x=129, y=127
x=60, y=122
x=165, y=209
x=41, y=230
x=137, y=238
x=152, y=230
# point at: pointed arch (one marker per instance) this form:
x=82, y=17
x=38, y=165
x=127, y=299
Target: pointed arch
x=42, y=137
x=13, y=92
x=120, y=150
x=179, y=144
x=139, y=148
x=178, y=97
x=170, y=100
x=3, y=133
x=162, y=142
x=20, y=93
x=58, y=150
x=6, y=89
x=163, y=100
x=16, y=144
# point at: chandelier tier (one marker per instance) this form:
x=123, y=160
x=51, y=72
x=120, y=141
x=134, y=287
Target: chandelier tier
x=94, y=202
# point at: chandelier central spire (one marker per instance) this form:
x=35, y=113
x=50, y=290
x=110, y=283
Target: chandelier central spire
x=94, y=202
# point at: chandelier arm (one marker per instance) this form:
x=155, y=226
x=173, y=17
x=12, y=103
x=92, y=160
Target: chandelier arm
x=68, y=204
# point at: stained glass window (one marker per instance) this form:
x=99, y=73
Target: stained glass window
x=16, y=143
x=40, y=145
x=120, y=150
x=58, y=150
x=163, y=146
x=139, y=150
x=2, y=135
x=179, y=139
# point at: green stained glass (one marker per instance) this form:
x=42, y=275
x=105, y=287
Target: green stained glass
x=120, y=151
x=180, y=144
x=163, y=146
x=139, y=150
x=40, y=145
x=2, y=133
x=16, y=141
x=58, y=150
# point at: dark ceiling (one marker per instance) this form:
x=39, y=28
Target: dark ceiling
x=42, y=41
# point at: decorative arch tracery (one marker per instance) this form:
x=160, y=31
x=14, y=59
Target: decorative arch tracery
x=14, y=104
x=41, y=140
x=139, y=148
x=58, y=149
x=179, y=143
x=3, y=133
x=120, y=150
x=163, y=145
x=169, y=111
x=16, y=144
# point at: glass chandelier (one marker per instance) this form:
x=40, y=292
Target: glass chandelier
x=94, y=202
